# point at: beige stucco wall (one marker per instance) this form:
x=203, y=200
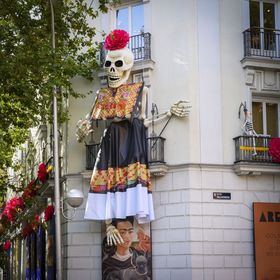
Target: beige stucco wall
x=180, y=74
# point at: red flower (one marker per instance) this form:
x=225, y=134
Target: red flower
x=7, y=245
x=37, y=219
x=12, y=207
x=36, y=222
x=42, y=173
x=8, y=213
x=116, y=40
x=27, y=230
x=30, y=190
x=17, y=202
x=49, y=211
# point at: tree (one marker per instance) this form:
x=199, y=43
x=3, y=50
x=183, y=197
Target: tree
x=29, y=67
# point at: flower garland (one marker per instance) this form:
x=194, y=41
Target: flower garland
x=18, y=204
x=49, y=211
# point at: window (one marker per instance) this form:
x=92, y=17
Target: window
x=265, y=117
x=262, y=25
x=137, y=78
x=131, y=19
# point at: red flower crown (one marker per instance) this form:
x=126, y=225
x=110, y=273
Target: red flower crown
x=117, y=39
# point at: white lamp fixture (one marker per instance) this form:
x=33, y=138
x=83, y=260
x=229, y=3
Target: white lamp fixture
x=74, y=198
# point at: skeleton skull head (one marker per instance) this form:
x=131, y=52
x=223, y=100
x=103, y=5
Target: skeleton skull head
x=118, y=65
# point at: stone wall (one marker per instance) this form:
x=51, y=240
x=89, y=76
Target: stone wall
x=194, y=236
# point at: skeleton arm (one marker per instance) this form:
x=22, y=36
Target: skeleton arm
x=113, y=235
x=157, y=118
x=179, y=109
x=84, y=126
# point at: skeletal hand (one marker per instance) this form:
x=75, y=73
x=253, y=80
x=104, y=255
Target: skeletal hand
x=84, y=128
x=180, y=108
x=113, y=236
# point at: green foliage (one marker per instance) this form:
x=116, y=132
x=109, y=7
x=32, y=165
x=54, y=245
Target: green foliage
x=29, y=67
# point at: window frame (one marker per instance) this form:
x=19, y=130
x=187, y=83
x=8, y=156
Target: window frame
x=261, y=15
x=129, y=6
x=264, y=100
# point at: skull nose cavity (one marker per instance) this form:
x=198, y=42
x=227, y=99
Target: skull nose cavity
x=112, y=69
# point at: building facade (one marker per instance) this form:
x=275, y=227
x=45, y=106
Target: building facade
x=216, y=54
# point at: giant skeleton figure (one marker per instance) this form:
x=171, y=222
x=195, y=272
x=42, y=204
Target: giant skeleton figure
x=120, y=184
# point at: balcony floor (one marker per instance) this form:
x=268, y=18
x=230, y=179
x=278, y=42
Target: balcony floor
x=256, y=168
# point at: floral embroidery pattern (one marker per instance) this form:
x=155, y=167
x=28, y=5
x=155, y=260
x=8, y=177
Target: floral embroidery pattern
x=120, y=178
x=119, y=105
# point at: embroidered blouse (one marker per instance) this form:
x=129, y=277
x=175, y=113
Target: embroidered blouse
x=111, y=103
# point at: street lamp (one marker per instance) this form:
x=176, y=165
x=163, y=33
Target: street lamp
x=74, y=198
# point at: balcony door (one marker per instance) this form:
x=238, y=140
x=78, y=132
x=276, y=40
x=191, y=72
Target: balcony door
x=262, y=26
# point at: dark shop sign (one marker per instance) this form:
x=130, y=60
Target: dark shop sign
x=222, y=195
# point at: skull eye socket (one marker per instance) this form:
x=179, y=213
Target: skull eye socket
x=107, y=63
x=119, y=63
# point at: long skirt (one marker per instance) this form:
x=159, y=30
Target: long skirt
x=120, y=184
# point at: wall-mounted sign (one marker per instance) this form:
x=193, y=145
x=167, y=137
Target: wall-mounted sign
x=221, y=195
x=267, y=240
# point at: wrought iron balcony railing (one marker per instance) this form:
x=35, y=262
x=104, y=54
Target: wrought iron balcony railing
x=91, y=155
x=155, y=152
x=246, y=152
x=140, y=45
x=156, y=149
x=262, y=42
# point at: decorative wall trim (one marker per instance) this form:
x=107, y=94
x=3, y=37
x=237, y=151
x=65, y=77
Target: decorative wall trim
x=256, y=169
x=200, y=166
x=265, y=81
x=267, y=63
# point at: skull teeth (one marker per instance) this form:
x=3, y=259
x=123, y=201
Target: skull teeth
x=113, y=79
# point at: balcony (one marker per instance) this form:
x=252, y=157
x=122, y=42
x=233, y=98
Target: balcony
x=155, y=155
x=253, y=161
x=140, y=45
x=261, y=47
x=262, y=42
x=91, y=155
x=157, y=164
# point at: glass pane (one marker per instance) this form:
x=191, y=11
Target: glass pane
x=269, y=15
x=137, y=28
x=269, y=22
x=254, y=14
x=122, y=19
x=272, y=119
x=137, y=20
x=258, y=117
x=255, y=24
